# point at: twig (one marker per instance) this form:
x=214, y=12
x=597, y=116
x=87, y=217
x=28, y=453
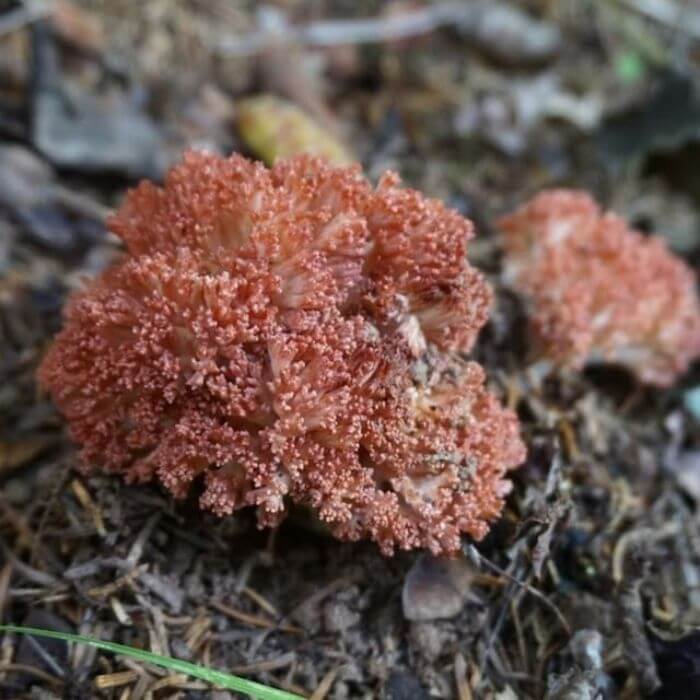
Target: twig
x=142, y=538
x=254, y=620
x=325, y=685
x=464, y=691
x=25, y=571
x=86, y=501
x=5, y=577
x=37, y=672
x=495, y=630
x=46, y=656
x=107, y=681
x=262, y=602
x=112, y=587
x=473, y=553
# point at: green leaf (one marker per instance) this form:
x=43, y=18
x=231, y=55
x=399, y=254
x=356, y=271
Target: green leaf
x=218, y=678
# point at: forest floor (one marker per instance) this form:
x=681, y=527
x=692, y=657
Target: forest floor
x=599, y=541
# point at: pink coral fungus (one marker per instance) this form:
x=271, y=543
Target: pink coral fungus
x=600, y=291
x=291, y=334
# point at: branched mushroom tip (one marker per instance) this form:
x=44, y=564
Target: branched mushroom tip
x=599, y=291
x=291, y=334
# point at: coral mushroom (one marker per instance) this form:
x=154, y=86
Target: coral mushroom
x=291, y=334
x=600, y=291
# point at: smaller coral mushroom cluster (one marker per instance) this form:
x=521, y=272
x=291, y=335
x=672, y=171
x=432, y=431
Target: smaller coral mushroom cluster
x=600, y=291
x=291, y=334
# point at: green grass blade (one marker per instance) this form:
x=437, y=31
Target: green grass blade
x=218, y=678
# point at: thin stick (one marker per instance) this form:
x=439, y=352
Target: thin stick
x=474, y=554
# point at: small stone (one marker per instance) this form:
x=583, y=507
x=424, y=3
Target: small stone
x=436, y=588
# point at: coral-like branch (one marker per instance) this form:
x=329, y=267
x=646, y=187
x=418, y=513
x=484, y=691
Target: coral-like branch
x=600, y=291
x=291, y=334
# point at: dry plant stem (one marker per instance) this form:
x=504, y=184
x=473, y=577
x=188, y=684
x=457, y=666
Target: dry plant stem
x=476, y=556
x=325, y=685
x=32, y=671
x=5, y=578
x=464, y=691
